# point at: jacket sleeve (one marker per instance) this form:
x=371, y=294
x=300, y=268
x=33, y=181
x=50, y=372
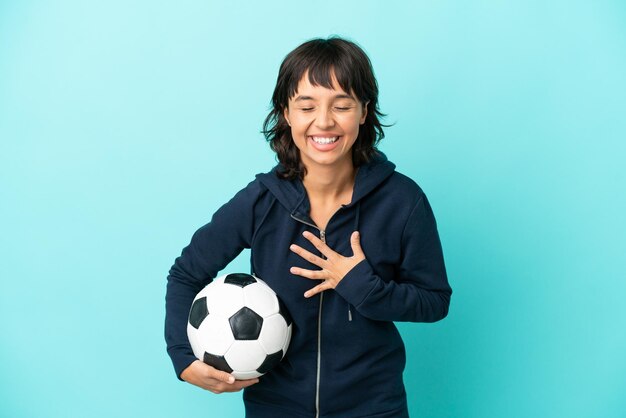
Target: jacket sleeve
x=420, y=291
x=212, y=247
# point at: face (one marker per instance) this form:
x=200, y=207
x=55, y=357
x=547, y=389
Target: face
x=324, y=123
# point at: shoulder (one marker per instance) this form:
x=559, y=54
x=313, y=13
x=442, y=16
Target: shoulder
x=405, y=183
x=381, y=176
x=260, y=184
x=403, y=188
x=255, y=188
x=247, y=197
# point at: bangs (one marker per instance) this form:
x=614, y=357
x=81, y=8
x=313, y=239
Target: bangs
x=324, y=73
x=325, y=63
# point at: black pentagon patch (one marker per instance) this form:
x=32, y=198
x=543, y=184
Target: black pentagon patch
x=246, y=324
x=240, y=279
x=198, y=312
x=219, y=362
x=270, y=362
x=284, y=312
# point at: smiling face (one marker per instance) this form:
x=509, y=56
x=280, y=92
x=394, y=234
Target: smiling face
x=324, y=123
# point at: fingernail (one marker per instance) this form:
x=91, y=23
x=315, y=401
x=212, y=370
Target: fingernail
x=306, y=294
x=231, y=380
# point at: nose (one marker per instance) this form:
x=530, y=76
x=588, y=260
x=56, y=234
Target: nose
x=324, y=119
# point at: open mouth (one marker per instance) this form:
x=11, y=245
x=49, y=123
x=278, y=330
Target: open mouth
x=324, y=140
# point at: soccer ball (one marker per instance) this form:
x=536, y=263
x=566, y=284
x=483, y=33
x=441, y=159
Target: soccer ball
x=237, y=324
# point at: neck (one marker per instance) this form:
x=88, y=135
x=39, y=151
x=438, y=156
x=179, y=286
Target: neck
x=329, y=182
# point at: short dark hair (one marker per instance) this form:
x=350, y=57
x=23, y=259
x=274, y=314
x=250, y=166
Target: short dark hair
x=322, y=59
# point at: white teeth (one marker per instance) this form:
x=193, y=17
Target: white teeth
x=321, y=140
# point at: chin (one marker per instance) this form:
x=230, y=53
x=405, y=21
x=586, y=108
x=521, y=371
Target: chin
x=326, y=161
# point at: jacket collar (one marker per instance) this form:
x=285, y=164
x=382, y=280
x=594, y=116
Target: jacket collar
x=292, y=195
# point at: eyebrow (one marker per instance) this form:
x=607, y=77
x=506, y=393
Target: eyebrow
x=338, y=96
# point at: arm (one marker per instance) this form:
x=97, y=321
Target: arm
x=419, y=293
x=211, y=248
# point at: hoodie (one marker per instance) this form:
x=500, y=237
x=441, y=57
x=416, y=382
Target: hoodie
x=346, y=356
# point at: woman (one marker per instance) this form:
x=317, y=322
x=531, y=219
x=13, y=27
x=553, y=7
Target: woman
x=346, y=242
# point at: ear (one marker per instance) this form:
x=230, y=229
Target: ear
x=364, y=115
x=286, y=115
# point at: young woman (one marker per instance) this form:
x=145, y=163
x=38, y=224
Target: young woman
x=348, y=244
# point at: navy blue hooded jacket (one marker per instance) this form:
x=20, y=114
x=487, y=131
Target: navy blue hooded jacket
x=346, y=356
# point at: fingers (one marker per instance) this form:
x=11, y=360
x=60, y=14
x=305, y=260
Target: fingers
x=228, y=382
x=236, y=386
x=240, y=384
x=211, y=379
x=309, y=274
x=333, y=268
x=319, y=244
x=355, y=243
x=308, y=256
x=317, y=289
x=222, y=376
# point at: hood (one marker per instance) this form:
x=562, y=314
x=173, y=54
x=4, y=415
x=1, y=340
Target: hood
x=292, y=195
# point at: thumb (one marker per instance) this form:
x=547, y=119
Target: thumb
x=355, y=243
x=223, y=376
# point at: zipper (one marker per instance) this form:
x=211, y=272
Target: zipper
x=319, y=327
x=319, y=345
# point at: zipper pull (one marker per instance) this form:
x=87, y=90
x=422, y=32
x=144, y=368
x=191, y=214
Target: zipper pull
x=349, y=314
x=323, y=236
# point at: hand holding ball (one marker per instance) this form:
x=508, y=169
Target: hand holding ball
x=238, y=325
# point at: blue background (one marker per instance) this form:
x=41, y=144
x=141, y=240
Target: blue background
x=125, y=125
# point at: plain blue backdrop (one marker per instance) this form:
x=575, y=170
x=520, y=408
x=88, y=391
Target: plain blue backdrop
x=125, y=125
